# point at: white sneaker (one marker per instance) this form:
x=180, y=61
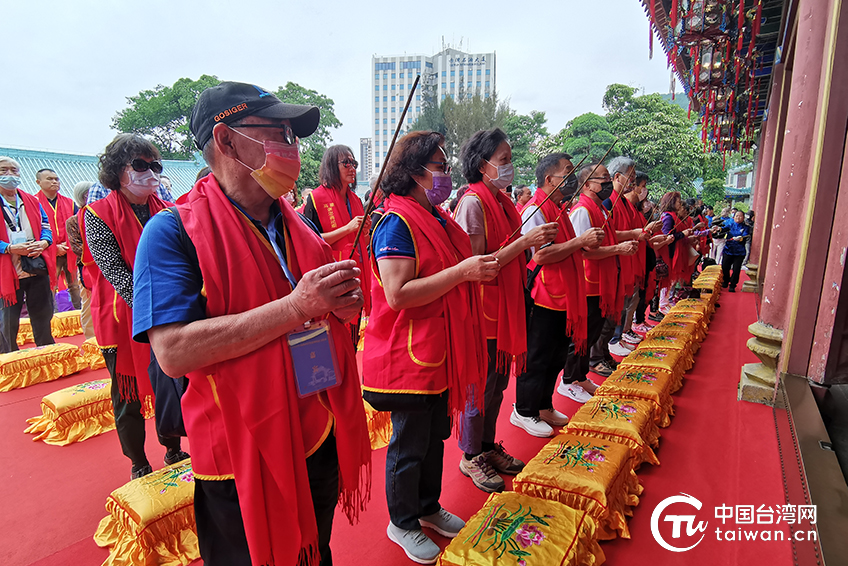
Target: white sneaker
x=534, y=426
x=631, y=337
x=573, y=392
x=618, y=349
x=553, y=417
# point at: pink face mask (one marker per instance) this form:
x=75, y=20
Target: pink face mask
x=281, y=168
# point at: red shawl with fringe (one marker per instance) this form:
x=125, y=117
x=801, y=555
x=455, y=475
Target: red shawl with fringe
x=9, y=283
x=112, y=316
x=602, y=274
x=331, y=206
x=262, y=412
x=390, y=332
x=501, y=221
x=561, y=285
x=58, y=217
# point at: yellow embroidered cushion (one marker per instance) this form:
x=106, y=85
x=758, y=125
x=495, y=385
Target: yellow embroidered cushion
x=25, y=332
x=74, y=414
x=379, y=426
x=66, y=324
x=694, y=317
x=92, y=355
x=682, y=327
x=672, y=341
x=151, y=520
x=653, y=386
x=519, y=530
x=620, y=420
x=662, y=359
x=39, y=364
x=585, y=473
x=705, y=305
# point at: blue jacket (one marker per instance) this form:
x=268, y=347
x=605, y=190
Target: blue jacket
x=733, y=247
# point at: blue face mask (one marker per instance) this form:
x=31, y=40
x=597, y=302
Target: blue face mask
x=10, y=182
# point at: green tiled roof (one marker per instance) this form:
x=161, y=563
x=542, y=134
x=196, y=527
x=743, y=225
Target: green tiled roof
x=74, y=168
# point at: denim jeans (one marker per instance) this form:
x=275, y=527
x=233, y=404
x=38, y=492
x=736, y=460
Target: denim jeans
x=414, y=458
x=478, y=428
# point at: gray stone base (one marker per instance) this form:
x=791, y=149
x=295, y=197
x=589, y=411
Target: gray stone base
x=754, y=390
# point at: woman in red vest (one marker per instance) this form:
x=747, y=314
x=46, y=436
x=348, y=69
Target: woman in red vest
x=112, y=226
x=425, y=347
x=489, y=217
x=337, y=212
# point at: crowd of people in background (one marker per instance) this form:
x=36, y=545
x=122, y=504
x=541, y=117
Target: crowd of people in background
x=258, y=307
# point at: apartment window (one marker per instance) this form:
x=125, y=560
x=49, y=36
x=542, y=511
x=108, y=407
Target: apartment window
x=394, y=121
x=444, y=73
x=469, y=84
x=487, y=84
x=393, y=87
x=428, y=65
x=377, y=77
x=385, y=132
x=377, y=109
x=444, y=85
x=393, y=109
x=385, y=120
x=486, y=95
x=395, y=97
x=453, y=85
x=384, y=67
x=401, y=87
x=417, y=97
x=443, y=97
x=393, y=75
x=385, y=87
x=401, y=75
x=376, y=87
x=377, y=165
x=488, y=71
x=385, y=142
x=385, y=76
x=385, y=99
x=385, y=109
x=418, y=109
x=479, y=72
x=377, y=121
x=376, y=133
x=478, y=84
x=376, y=99
x=461, y=72
x=453, y=73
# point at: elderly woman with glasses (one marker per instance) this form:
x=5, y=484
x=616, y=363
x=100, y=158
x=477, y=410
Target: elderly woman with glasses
x=338, y=213
x=130, y=168
x=425, y=347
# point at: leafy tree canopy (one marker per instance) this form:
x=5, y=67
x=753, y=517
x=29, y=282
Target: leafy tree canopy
x=162, y=115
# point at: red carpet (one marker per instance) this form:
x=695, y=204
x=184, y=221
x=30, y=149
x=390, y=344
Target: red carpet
x=717, y=449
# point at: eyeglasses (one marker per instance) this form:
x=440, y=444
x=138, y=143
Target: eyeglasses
x=348, y=163
x=600, y=179
x=140, y=165
x=444, y=166
x=288, y=133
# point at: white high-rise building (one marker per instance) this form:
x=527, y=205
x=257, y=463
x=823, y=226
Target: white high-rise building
x=448, y=73
x=366, y=160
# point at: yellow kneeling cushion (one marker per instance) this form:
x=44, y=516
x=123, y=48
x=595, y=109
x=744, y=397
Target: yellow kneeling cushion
x=379, y=426
x=151, y=520
x=66, y=324
x=516, y=529
x=74, y=414
x=92, y=355
x=624, y=421
x=39, y=364
x=672, y=361
x=653, y=386
x=25, y=332
x=585, y=473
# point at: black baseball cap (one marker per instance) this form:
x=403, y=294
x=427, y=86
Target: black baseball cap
x=231, y=101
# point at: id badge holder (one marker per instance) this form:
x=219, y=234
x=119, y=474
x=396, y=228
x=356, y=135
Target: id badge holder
x=316, y=368
x=18, y=237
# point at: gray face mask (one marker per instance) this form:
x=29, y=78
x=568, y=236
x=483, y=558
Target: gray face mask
x=10, y=182
x=506, y=173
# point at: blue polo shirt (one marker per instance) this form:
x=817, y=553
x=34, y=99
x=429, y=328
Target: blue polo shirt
x=392, y=237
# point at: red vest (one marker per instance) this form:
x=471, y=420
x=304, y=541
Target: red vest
x=9, y=284
x=602, y=274
x=58, y=217
x=437, y=346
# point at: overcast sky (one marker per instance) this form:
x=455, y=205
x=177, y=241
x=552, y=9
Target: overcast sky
x=70, y=64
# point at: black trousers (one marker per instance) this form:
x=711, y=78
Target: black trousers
x=639, y=317
x=547, y=350
x=733, y=262
x=129, y=421
x=39, y=301
x=415, y=455
x=577, y=365
x=220, y=527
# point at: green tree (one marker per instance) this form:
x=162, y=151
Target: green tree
x=586, y=134
x=524, y=133
x=658, y=136
x=713, y=192
x=313, y=147
x=161, y=115
x=464, y=118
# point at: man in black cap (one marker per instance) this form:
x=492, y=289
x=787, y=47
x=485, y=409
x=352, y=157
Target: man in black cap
x=234, y=290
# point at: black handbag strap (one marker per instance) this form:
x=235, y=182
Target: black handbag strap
x=531, y=277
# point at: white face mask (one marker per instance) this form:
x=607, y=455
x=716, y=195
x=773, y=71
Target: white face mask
x=506, y=173
x=143, y=184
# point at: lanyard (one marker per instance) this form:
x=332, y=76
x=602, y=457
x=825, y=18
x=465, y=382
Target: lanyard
x=271, y=235
x=17, y=213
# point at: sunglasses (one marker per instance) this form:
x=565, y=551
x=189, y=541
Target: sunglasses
x=445, y=168
x=140, y=165
x=348, y=163
x=288, y=133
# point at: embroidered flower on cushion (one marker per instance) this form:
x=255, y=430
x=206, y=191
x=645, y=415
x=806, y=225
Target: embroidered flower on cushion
x=638, y=377
x=528, y=535
x=188, y=477
x=88, y=386
x=586, y=455
x=651, y=355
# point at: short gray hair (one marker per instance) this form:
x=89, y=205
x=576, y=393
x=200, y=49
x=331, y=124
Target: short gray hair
x=7, y=159
x=81, y=192
x=620, y=164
